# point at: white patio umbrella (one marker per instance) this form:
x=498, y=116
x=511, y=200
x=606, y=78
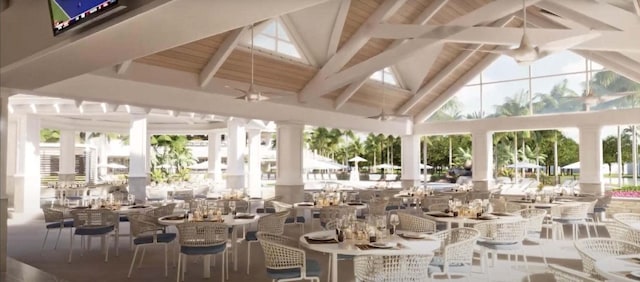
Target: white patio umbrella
x=428, y=166
x=386, y=166
x=355, y=174
x=524, y=165
x=113, y=165
x=575, y=165
x=357, y=159
x=205, y=165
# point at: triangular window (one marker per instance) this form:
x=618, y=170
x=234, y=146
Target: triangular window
x=275, y=37
x=388, y=78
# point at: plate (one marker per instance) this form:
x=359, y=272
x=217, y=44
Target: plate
x=635, y=274
x=321, y=237
x=380, y=245
x=413, y=235
x=305, y=204
x=487, y=217
x=173, y=217
x=355, y=204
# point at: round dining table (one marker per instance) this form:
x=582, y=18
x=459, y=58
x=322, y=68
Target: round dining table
x=469, y=221
x=619, y=268
x=349, y=247
x=229, y=220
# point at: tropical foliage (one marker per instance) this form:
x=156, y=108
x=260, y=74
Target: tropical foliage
x=171, y=158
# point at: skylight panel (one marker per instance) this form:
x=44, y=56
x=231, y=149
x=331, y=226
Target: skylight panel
x=389, y=76
x=276, y=38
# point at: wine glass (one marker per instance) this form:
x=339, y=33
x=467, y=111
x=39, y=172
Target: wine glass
x=232, y=207
x=394, y=220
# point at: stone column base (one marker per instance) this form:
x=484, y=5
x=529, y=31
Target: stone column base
x=26, y=197
x=482, y=185
x=4, y=215
x=592, y=188
x=138, y=187
x=408, y=183
x=235, y=182
x=66, y=177
x=290, y=193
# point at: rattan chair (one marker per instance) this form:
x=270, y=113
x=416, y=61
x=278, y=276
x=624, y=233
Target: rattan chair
x=409, y=222
x=293, y=217
x=272, y=223
x=627, y=218
x=284, y=261
x=574, y=214
x=145, y=229
x=377, y=207
x=202, y=238
x=54, y=219
x=591, y=249
x=456, y=253
x=89, y=222
x=498, y=204
x=439, y=207
x=623, y=232
x=535, y=219
x=563, y=274
x=391, y=268
x=472, y=195
x=506, y=237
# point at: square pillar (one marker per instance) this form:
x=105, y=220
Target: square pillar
x=214, y=156
x=410, y=150
x=67, y=156
x=138, y=149
x=236, y=145
x=591, y=160
x=289, y=143
x=27, y=177
x=4, y=201
x=255, y=157
x=482, y=160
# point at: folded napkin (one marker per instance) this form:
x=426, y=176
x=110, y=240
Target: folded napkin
x=320, y=241
x=174, y=217
x=440, y=214
x=365, y=247
x=245, y=216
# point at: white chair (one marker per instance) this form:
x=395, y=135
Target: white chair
x=391, y=268
x=273, y=223
x=54, y=219
x=409, y=222
x=574, y=214
x=623, y=232
x=591, y=249
x=535, y=219
x=439, y=207
x=284, y=262
x=563, y=274
x=506, y=237
x=293, y=217
x=89, y=222
x=145, y=229
x=627, y=218
x=456, y=253
x=202, y=238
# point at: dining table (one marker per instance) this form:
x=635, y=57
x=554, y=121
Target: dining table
x=351, y=247
x=619, y=268
x=230, y=220
x=461, y=221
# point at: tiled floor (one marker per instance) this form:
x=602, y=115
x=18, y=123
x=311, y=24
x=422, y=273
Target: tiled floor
x=25, y=239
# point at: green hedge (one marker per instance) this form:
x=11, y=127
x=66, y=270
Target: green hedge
x=628, y=188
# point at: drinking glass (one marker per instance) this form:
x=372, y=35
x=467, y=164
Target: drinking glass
x=394, y=220
x=232, y=207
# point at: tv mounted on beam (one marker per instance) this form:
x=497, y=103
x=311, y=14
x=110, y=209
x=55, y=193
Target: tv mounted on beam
x=66, y=14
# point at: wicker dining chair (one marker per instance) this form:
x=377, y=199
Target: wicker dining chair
x=410, y=222
x=377, y=207
x=623, y=232
x=591, y=249
x=391, y=267
x=564, y=274
x=54, y=219
x=439, y=207
x=202, y=238
x=100, y=222
x=498, y=204
x=502, y=237
x=535, y=219
x=284, y=261
x=574, y=214
x=456, y=253
x=293, y=217
x=627, y=218
x=145, y=230
x=272, y=223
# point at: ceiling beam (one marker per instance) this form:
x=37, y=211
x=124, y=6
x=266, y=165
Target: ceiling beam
x=444, y=73
x=430, y=109
x=348, y=92
x=221, y=55
x=580, y=18
x=423, y=18
x=349, y=48
x=338, y=26
x=615, y=62
x=636, y=6
x=599, y=11
x=122, y=68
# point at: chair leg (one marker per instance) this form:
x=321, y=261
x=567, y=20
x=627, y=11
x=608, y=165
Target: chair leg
x=55, y=247
x=106, y=255
x=224, y=260
x=248, y=256
x=135, y=253
x=329, y=272
x=144, y=250
x=526, y=264
x=44, y=241
x=70, y=247
x=179, y=268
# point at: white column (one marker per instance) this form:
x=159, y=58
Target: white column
x=4, y=201
x=214, y=160
x=236, y=145
x=591, y=160
x=102, y=155
x=255, y=156
x=67, y=159
x=138, y=143
x=289, y=142
x=482, y=160
x=27, y=178
x=410, y=149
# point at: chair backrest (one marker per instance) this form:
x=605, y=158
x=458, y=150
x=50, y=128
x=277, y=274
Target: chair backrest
x=273, y=223
x=367, y=195
x=90, y=218
x=281, y=206
x=535, y=219
x=431, y=200
x=162, y=210
x=52, y=215
x=414, y=223
x=564, y=274
x=622, y=232
x=438, y=207
x=503, y=232
x=334, y=212
x=378, y=206
x=279, y=251
x=391, y=268
x=143, y=223
x=478, y=195
x=575, y=211
x=627, y=218
x=457, y=245
x=591, y=249
x=498, y=205
x=202, y=233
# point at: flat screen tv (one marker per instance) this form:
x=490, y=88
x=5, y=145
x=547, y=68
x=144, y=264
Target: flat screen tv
x=66, y=14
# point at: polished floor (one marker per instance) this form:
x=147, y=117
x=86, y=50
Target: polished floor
x=25, y=238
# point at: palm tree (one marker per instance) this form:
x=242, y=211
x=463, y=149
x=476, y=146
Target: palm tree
x=517, y=105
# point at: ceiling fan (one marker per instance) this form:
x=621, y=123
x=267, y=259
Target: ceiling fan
x=384, y=116
x=526, y=52
x=251, y=94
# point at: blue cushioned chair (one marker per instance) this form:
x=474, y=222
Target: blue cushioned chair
x=273, y=223
x=202, y=238
x=145, y=229
x=456, y=253
x=284, y=261
x=504, y=237
x=55, y=220
x=88, y=222
x=293, y=218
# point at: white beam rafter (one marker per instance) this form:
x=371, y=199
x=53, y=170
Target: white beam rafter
x=350, y=91
x=350, y=48
x=338, y=25
x=595, y=10
x=123, y=67
x=220, y=56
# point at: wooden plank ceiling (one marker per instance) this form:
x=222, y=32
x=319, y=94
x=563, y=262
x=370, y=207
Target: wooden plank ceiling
x=288, y=75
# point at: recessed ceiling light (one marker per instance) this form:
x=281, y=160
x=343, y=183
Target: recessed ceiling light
x=57, y=107
x=127, y=108
x=33, y=108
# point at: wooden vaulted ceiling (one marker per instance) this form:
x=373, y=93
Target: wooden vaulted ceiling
x=275, y=72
